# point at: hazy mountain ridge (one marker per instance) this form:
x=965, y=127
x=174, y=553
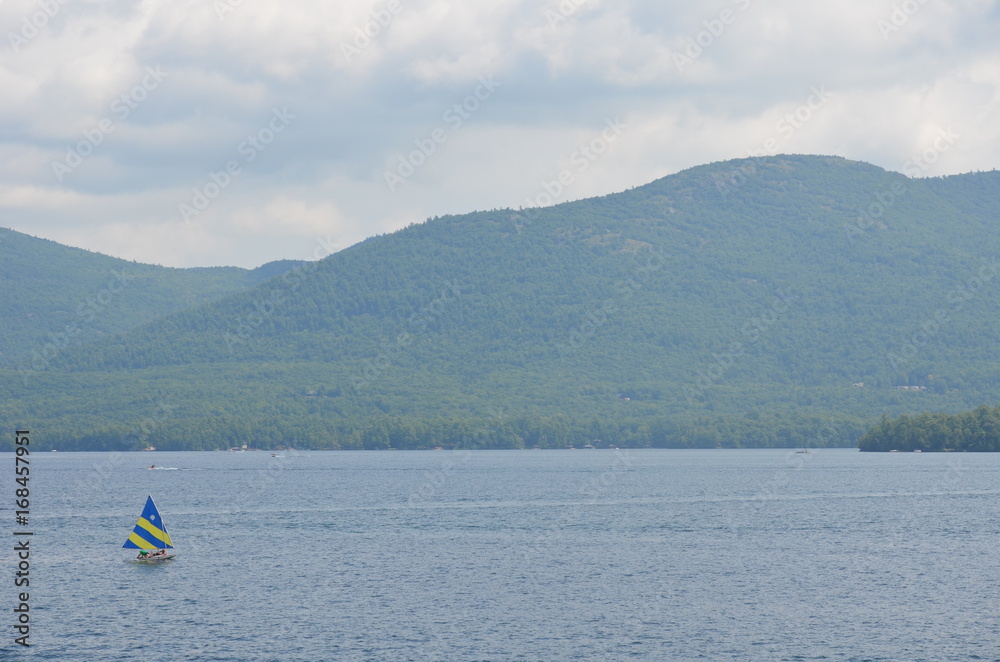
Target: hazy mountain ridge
x=55, y=297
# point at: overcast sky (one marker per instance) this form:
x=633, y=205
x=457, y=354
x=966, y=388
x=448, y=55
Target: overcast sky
x=235, y=132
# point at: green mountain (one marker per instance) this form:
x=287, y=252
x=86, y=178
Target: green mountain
x=54, y=297
x=778, y=301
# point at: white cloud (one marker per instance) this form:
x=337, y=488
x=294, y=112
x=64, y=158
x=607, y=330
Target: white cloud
x=561, y=79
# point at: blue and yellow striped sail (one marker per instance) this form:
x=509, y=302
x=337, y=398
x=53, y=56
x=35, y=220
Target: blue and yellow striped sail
x=149, y=532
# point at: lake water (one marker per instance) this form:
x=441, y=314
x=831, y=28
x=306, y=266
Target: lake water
x=520, y=555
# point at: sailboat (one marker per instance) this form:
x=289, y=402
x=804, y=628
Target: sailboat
x=150, y=533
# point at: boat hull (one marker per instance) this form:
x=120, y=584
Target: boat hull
x=156, y=559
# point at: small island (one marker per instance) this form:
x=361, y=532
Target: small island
x=972, y=431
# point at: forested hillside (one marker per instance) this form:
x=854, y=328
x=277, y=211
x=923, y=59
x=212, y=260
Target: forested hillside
x=762, y=302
